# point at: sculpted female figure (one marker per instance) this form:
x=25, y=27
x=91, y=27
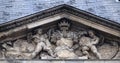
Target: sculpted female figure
x=20, y=50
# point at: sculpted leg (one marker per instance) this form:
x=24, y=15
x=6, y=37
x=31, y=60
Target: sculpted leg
x=85, y=51
x=94, y=50
x=37, y=50
x=49, y=50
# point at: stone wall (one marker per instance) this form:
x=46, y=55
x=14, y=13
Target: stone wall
x=13, y=9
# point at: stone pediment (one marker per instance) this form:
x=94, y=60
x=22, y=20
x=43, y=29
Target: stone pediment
x=52, y=19
x=59, y=12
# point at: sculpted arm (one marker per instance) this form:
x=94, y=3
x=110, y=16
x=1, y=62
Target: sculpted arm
x=37, y=50
x=95, y=40
x=38, y=47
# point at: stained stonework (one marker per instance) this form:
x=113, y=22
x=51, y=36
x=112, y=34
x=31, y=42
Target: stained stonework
x=62, y=41
x=62, y=32
x=62, y=61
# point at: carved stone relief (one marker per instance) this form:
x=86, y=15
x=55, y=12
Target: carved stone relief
x=62, y=43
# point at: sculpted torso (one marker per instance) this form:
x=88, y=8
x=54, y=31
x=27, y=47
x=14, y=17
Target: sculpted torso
x=64, y=47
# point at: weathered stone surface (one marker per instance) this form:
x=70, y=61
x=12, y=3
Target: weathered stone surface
x=108, y=51
x=74, y=61
x=116, y=61
x=95, y=61
x=41, y=61
x=55, y=61
x=66, y=38
x=59, y=44
x=118, y=55
x=36, y=61
x=3, y=61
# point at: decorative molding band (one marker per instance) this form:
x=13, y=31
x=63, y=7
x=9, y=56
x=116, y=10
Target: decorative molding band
x=55, y=10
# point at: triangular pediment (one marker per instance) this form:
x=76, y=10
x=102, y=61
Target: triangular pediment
x=51, y=19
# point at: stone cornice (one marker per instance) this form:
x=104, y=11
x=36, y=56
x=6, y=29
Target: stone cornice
x=55, y=10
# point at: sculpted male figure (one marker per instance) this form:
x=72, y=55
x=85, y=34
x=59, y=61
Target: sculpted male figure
x=21, y=49
x=88, y=43
x=42, y=43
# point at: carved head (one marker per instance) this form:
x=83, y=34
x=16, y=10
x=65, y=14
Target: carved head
x=91, y=33
x=64, y=25
x=82, y=33
x=39, y=31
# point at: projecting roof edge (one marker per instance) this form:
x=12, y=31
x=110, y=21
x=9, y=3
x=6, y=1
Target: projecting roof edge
x=55, y=10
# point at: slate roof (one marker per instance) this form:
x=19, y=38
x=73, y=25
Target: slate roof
x=13, y=9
